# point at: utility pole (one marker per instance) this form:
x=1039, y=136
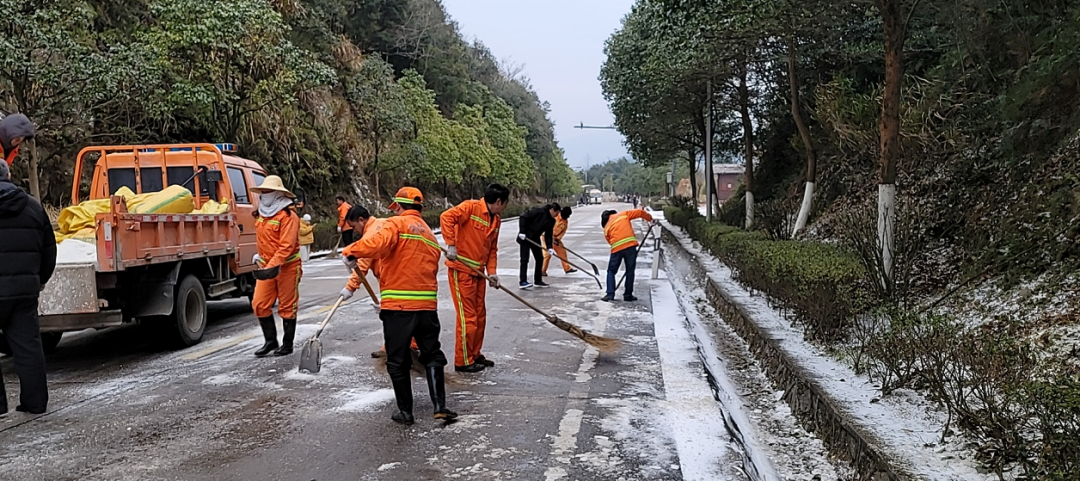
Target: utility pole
x=708, y=154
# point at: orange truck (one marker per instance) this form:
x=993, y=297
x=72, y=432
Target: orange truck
x=157, y=269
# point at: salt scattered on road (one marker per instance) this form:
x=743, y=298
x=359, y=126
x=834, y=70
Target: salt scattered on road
x=360, y=400
x=389, y=466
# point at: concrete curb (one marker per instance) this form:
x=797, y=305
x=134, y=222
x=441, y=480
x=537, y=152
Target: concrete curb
x=808, y=399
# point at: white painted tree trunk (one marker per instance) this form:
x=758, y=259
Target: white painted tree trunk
x=887, y=225
x=804, y=210
x=749, y=210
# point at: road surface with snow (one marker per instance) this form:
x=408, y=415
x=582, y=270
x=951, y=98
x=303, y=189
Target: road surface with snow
x=552, y=408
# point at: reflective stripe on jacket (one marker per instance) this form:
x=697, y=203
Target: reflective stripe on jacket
x=475, y=232
x=277, y=238
x=620, y=232
x=409, y=262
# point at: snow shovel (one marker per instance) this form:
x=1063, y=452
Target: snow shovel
x=311, y=354
x=571, y=263
x=594, y=269
x=605, y=344
x=640, y=245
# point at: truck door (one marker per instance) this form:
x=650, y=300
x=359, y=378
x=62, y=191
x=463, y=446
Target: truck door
x=245, y=220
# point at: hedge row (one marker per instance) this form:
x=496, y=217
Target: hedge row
x=821, y=284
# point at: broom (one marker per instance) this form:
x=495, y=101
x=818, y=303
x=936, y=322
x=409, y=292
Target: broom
x=604, y=344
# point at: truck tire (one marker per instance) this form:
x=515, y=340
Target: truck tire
x=185, y=326
x=49, y=340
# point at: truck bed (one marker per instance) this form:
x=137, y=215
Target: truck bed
x=126, y=240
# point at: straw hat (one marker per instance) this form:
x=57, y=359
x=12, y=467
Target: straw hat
x=273, y=184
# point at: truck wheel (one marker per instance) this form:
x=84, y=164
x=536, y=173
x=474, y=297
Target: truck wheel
x=188, y=320
x=49, y=340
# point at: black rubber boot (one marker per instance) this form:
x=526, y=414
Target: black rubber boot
x=437, y=389
x=403, y=394
x=289, y=328
x=269, y=335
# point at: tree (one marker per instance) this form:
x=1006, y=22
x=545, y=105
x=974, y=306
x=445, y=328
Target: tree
x=893, y=25
x=226, y=60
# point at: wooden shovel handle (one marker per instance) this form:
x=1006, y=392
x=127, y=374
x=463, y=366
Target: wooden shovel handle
x=370, y=291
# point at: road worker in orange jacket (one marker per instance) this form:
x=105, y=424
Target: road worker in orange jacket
x=277, y=237
x=471, y=232
x=361, y=221
x=364, y=225
x=409, y=255
x=561, y=224
x=623, y=241
x=343, y=227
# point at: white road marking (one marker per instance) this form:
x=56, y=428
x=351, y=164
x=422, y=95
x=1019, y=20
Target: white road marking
x=565, y=442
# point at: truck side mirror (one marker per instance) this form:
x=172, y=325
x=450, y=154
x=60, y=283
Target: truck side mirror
x=211, y=178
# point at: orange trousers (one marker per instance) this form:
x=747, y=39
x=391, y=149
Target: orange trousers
x=283, y=289
x=467, y=292
x=558, y=250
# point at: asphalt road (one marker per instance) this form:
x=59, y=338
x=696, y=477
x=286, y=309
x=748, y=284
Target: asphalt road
x=552, y=407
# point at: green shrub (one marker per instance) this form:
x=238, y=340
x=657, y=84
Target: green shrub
x=820, y=283
x=326, y=235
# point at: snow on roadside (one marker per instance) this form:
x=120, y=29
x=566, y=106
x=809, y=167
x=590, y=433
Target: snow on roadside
x=907, y=428
x=692, y=411
x=777, y=444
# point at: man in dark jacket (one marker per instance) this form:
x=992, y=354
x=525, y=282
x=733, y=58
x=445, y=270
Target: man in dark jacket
x=27, y=260
x=536, y=222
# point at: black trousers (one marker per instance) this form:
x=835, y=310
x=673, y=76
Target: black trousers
x=346, y=238
x=399, y=327
x=19, y=321
x=538, y=256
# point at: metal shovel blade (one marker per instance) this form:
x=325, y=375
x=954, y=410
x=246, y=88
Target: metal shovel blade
x=311, y=356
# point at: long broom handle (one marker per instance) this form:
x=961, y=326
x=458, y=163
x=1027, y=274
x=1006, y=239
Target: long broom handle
x=582, y=269
x=501, y=288
x=579, y=255
x=640, y=245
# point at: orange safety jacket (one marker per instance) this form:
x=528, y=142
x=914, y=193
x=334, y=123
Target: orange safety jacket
x=341, y=211
x=560, y=230
x=409, y=257
x=620, y=233
x=277, y=238
x=475, y=232
x=363, y=263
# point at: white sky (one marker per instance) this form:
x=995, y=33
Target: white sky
x=560, y=43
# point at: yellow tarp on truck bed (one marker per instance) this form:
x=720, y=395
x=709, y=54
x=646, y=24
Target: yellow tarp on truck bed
x=77, y=221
